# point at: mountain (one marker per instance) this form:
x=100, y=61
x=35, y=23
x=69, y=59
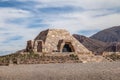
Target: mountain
x=108, y=35
x=93, y=45
x=112, y=47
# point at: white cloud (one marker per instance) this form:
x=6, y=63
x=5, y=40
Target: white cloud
x=87, y=20
x=11, y=13
x=13, y=29
x=97, y=15
x=87, y=4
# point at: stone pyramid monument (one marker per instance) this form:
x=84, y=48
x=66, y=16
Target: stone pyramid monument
x=56, y=40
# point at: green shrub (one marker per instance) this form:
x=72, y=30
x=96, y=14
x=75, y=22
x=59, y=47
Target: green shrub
x=74, y=57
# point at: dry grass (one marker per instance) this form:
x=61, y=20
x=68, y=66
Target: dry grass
x=69, y=71
x=114, y=57
x=33, y=58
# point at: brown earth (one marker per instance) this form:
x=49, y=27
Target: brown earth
x=67, y=71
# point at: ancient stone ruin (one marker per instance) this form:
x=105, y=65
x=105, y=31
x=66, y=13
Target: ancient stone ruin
x=56, y=40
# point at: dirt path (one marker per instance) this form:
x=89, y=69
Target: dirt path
x=72, y=71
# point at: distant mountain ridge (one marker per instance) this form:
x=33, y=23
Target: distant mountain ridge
x=105, y=40
x=112, y=47
x=93, y=45
x=108, y=35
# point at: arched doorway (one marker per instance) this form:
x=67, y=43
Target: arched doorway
x=39, y=46
x=68, y=47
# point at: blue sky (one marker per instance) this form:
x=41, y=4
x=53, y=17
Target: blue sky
x=22, y=20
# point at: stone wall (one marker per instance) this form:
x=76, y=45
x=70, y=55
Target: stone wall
x=53, y=40
x=56, y=35
x=30, y=45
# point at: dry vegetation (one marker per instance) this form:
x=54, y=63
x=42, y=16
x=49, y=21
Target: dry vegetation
x=71, y=68
x=114, y=57
x=68, y=71
x=33, y=58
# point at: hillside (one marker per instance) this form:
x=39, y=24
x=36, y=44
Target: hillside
x=92, y=44
x=112, y=47
x=108, y=35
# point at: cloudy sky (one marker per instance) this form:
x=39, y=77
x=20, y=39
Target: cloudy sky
x=22, y=20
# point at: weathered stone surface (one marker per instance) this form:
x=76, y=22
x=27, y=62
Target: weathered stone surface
x=55, y=40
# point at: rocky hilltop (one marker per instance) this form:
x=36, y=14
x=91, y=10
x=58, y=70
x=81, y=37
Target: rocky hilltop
x=50, y=46
x=108, y=35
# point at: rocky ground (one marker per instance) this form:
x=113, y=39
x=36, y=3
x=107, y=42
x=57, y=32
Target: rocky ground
x=63, y=71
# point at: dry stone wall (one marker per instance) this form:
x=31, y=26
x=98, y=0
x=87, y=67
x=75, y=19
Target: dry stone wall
x=53, y=40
